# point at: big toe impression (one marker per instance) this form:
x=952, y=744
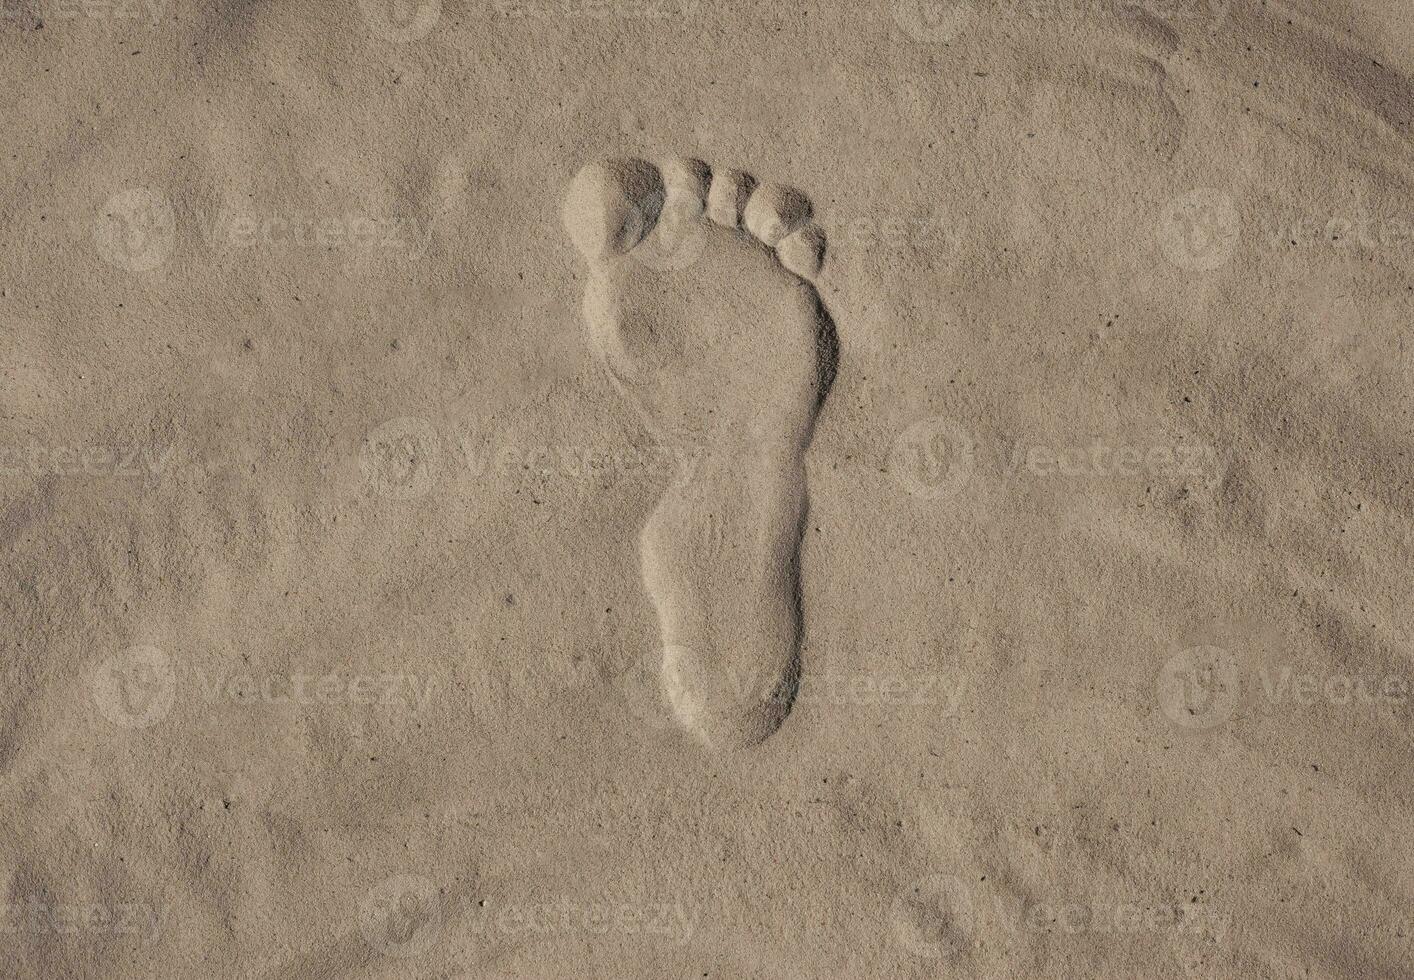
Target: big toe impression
x=611, y=205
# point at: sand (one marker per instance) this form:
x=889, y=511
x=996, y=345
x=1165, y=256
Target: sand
x=655, y=488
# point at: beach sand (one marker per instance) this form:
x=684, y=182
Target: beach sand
x=661, y=488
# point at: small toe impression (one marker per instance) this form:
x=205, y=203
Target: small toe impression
x=727, y=198
x=803, y=251
x=686, y=181
x=775, y=211
x=611, y=205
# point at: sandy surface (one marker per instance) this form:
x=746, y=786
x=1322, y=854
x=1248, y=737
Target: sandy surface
x=328, y=649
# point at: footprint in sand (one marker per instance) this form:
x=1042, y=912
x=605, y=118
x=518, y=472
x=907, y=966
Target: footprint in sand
x=699, y=302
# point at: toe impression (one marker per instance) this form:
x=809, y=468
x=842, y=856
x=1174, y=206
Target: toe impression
x=803, y=251
x=686, y=182
x=727, y=198
x=611, y=206
x=773, y=212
